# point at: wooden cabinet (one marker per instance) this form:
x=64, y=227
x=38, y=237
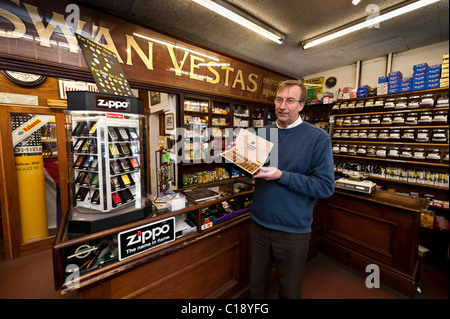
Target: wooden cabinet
x=207, y=259
x=209, y=125
x=381, y=228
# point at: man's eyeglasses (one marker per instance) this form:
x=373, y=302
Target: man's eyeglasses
x=289, y=102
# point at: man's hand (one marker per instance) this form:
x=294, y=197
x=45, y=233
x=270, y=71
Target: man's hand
x=268, y=173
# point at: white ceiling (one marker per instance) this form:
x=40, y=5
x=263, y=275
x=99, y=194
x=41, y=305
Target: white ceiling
x=298, y=21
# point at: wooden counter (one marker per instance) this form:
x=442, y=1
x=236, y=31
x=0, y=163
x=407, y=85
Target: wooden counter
x=356, y=229
x=381, y=228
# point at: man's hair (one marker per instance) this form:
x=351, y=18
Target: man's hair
x=289, y=83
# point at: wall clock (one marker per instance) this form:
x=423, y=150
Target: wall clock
x=22, y=78
x=330, y=82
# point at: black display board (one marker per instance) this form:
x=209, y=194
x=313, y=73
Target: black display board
x=104, y=67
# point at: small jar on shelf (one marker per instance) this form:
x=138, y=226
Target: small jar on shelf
x=362, y=135
x=440, y=117
x=387, y=119
x=398, y=119
x=425, y=118
x=445, y=156
x=347, y=121
x=372, y=135
x=365, y=120
x=408, y=136
x=442, y=100
x=351, y=107
x=359, y=107
x=413, y=102
x=411, y=118
x=369, y=105
x=433, y=155
x=375, y=120
x=371, y=150
x=339, y=121
x=395, y=135
x=419, y=153
x=423, y=136
x=354, y=134
x=352, y=149
x=378, y=105
x=401, y=103
x=381, y=151
x=383, y=135
x=406, y=152
x=427, y=101
x=335, y=109
x=336, y=148
x=394, y=152
x=343, y=149
x=362, y=150
x=345, y=134
x=337, y=133
x=356, y=120
x=389, y=104
x=439, y=136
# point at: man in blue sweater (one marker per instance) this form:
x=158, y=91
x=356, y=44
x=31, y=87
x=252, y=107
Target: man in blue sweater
x=285, y=193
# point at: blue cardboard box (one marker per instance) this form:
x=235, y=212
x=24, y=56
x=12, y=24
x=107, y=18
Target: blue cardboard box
x=435, y=67
x=405, y=88
x=432, y=86
x=420, y=66
x=382, y=79
x=396, y=73
x=418, y=87
x=419, y=78
x=432, y=81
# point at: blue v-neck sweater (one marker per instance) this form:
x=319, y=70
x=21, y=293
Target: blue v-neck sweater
x=306, y=160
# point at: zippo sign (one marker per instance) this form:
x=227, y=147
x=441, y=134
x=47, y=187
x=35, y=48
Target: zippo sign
x=140, y=239
x=112, y=103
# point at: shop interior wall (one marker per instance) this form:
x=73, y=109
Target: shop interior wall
x=374, y=68
x=167, y=105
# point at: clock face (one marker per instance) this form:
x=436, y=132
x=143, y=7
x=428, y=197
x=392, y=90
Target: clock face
x=330, y=82
x=24, y=78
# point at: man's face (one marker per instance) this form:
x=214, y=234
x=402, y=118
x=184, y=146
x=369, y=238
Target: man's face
x=286, y=111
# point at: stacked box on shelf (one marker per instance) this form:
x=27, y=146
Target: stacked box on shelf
x=432, y=76
x=363, y=91
x=444, y=71
x=382, y=86
x=394, y=82
x=311, y=95
x=419, y=77
x=406, y=85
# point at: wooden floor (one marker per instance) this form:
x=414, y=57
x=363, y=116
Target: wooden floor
x=31, y=277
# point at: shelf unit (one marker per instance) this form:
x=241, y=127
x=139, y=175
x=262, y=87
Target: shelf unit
x=209, y=125
x=394, y=173
x=235, y=192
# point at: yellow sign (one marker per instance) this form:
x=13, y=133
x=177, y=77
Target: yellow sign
x=316, y=83
x=31, y=192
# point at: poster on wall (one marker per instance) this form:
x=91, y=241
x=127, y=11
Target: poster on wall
x=104, y=67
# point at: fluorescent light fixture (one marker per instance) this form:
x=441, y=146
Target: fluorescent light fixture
x=175, y=46
x=227, y=11
x=370, y=22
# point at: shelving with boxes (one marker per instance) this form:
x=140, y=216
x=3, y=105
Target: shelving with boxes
x=209, y=124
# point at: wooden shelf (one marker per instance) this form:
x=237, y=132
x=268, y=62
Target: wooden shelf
x=390, y=160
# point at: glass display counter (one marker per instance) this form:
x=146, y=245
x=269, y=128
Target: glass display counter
x=81, y=259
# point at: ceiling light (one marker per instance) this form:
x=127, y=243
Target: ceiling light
x=230, y=12
x=355, y=2
x=369, y=22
